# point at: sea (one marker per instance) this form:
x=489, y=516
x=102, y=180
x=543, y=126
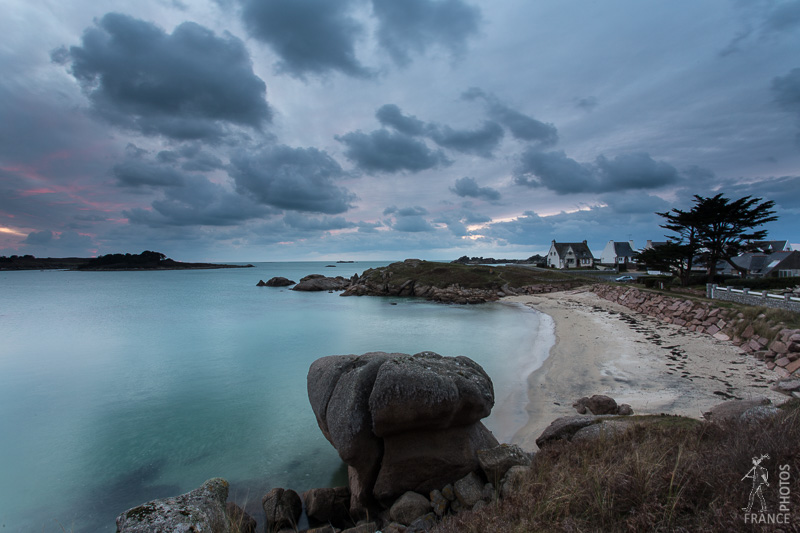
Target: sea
x=117, y=388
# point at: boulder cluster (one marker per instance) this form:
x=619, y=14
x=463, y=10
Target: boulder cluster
x=780, y=350
x=328, y=509
x=318, y=282
x=277, y=281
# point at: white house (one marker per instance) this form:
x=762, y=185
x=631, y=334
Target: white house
x=618, y=253
x=569, y=255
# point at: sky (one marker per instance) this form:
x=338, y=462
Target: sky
x=271, y=130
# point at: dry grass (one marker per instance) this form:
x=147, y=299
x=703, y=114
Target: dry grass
x=658, y=476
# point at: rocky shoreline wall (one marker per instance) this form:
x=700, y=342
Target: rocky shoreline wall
x=780, y=350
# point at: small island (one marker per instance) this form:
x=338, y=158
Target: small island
x=146, y=260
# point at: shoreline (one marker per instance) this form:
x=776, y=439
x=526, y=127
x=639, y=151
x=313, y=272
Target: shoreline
x=604, y=348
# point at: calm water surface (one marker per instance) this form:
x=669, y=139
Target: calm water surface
x=120, y=387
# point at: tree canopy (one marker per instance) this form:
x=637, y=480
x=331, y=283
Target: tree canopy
x=715, y=228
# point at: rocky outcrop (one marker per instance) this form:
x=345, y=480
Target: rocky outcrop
x=734, y=410
x=401, y=422
x=449, y=283
x=277, y=281
x=318, y=282
x=564, y=428
x=202, y=509
x=600, y=404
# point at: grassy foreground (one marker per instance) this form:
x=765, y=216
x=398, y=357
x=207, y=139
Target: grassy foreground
x=672, y=474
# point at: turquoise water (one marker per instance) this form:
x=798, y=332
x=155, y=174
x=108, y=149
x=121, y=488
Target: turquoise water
x=120, y=387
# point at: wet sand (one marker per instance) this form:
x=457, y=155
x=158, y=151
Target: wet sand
x=604, y=348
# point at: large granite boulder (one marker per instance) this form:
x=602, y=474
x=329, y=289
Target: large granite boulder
x=401, y=422
x=202, y=509
x=318, y=282
x=564, y=428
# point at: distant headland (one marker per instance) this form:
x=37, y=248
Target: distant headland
x=146, y=260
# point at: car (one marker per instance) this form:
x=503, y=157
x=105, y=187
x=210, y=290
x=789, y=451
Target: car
x=624, y=278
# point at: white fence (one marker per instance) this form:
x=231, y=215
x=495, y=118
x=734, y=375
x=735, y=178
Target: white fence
x=746, y=296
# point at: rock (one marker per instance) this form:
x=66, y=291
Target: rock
x=328, y=505
x=604, y=428
x=422, y=524
x=469, y=490
x=261, y=283
x=323, y=529
x=426, y=459
x=241, y=522
x=367, y=527
x=489, y=492
x=439, y=503
x=449, y=493
x=564, y=428
x=277, y=281
x=495, y=462
x=732, y=410
x=318, y=282
x=409, y=507
x=600, y=404
x=400, y=422
x=580, y=405
x=202, y=509
x=513, y=480
x=787, y=386
x=282, y=508
x=624, y=410
x=395, y=527
x=758, y=413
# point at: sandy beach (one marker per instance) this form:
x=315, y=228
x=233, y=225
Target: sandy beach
x=604, y=348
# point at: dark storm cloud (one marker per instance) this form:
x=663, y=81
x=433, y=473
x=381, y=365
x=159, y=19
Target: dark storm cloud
x=408, y=219
x=457, y=221
x=300, y=179
x=481, y=141
x=199, y=203
x=522, y=126
x=310, y=36
x=193, y=157
x=783, y=190
x=141, y=173
x=390, y=115
x=67, y=243
x=385, y=151
x=559, y=173
x=305, y=223
x=413, y=26
x=39, y=237
x=186, y=85
x=468, y=187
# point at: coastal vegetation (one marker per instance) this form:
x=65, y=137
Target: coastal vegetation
x=664, y=474
x=714, y=229
x=442, y=275
x=147, y=260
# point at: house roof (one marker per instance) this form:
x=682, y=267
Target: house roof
x=772, y=246
x=759, y=263
x=623, y=249
x=782, y=261
x=580, y=249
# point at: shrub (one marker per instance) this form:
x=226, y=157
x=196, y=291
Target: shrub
x=666, y=474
